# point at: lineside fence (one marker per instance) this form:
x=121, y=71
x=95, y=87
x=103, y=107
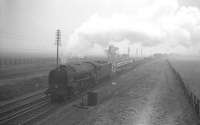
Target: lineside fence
x=17, y=61
x=193, y=99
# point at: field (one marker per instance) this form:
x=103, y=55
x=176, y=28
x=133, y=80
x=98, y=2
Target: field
x=21, y=77
x=189, y=70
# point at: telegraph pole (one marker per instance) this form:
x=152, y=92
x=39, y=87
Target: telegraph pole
x=58, y=43
x=128, y=51
x=136, y=52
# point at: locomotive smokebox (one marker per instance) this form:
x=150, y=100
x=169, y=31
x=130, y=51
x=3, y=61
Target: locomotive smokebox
x=92, y=98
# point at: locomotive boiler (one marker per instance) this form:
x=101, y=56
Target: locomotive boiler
x=69, y=80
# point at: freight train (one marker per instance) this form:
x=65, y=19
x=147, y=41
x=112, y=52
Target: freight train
x=69, y=80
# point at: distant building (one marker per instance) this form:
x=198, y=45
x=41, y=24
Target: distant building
x=158, y=55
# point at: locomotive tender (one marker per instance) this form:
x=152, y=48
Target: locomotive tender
x=71, y=79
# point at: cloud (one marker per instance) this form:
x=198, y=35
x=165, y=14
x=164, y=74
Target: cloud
x=104, y=38
x=153, y=25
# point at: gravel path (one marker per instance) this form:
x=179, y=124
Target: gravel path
x=168, y=105
x=148, y=95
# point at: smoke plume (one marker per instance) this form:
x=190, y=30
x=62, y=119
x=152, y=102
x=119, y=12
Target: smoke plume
x=162, y=26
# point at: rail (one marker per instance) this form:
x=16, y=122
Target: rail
x=13, y=110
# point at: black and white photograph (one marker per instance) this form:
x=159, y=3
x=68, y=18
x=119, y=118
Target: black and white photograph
x=99, y=62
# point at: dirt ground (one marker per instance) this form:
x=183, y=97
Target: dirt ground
x=147, y=95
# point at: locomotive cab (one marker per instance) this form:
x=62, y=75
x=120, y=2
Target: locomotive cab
x=58, y=82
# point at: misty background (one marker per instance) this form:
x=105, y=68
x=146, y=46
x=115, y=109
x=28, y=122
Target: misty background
x=29, y=26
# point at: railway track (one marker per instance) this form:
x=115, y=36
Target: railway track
x=16, y=112
x=31, y=109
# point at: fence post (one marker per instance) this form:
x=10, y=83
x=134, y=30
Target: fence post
x=192, y=98
x=197, y=105
x=0, y=62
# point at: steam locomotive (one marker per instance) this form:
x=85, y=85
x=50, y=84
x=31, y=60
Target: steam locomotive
x=67, y=81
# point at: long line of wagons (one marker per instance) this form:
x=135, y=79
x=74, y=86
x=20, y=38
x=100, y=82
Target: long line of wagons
x=71, y=79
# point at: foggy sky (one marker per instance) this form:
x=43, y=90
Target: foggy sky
x=89, y=26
